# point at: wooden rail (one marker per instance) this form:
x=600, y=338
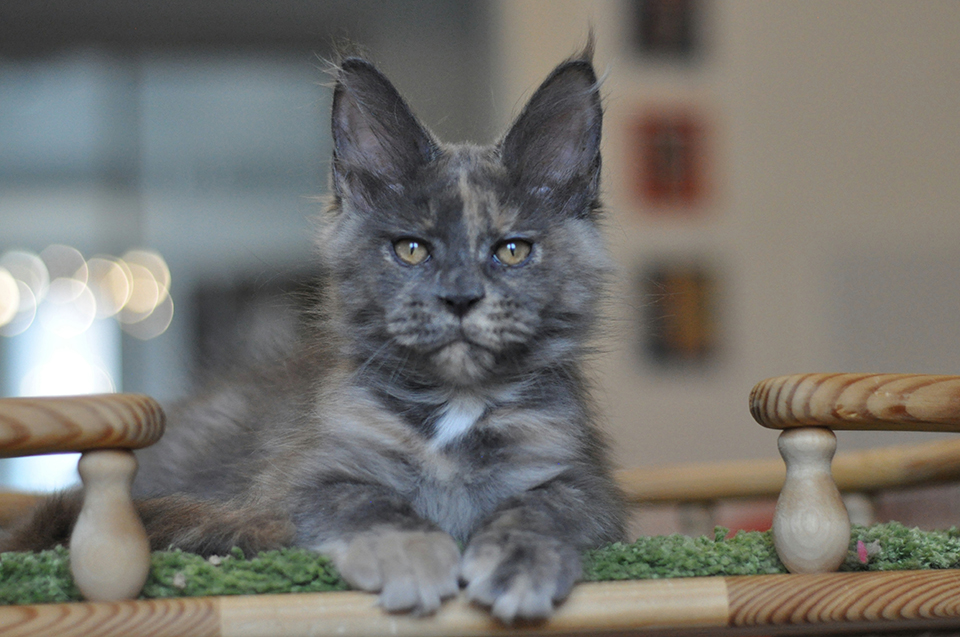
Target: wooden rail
x=896, y=402
x=804, y=406
x=109, y=550
x=30, y=426
x=866, y=471
x=811, y=527
x=765, y=604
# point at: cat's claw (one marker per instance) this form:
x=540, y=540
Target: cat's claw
x=412, y=570
x=519, y=575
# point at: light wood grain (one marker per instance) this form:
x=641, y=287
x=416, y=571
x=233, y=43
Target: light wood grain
x=865, y=471
x=811, y=529
x=839, y=601
x=602, y=606
x=186, y=617
x=109, y=549
x=765, y=604
x=901, y=466
x=702, y=481
x=77, y=423
x=110, y=553
x=902, y=402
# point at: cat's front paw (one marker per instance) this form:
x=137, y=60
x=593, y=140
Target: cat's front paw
x=519, y=574
x=412, y=570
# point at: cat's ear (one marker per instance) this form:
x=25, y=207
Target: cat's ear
x=374, y=131
x=556, y=138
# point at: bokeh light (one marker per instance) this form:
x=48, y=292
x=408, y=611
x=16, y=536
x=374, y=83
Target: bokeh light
x=111, y=284
x=69, y=308
x=66, y=292
x=144, y=295
x=64, y=262
x=155, y=265
x=30, y=269
x=66, y=373
x=26, y=311
x=155, y=324
x=9, y=296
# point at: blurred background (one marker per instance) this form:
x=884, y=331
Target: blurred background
x=781, y=180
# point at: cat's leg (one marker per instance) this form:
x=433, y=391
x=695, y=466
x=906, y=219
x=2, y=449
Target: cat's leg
x=525, y=558
x=379, y=544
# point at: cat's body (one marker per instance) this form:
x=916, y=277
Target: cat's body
x=439, y=393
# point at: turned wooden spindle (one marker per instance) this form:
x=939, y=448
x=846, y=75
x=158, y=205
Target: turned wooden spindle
x=109, y=550
x=807, y=407
x=811, y=528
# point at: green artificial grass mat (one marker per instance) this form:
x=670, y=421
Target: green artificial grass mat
x=27, y=578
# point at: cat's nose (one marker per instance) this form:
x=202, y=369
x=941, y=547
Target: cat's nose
x=460, y=304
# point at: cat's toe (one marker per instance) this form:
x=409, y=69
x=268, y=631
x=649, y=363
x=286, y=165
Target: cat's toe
x=357, y=562
x=412, y=570
x=520, y=599
x=403, y=594
x=524, y=600
x=519, y=576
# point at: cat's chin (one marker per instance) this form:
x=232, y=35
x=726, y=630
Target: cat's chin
x=463, y=363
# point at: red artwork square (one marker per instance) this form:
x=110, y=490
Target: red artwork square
x=669, y=162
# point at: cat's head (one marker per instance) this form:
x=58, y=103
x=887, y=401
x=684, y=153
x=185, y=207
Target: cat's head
x=461, y=264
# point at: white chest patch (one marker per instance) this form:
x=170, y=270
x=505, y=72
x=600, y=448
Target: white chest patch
x=458, y=417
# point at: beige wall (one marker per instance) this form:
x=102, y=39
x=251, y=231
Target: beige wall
x=833, y=222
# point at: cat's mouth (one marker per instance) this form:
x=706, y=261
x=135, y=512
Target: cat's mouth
x=463, y=361
x=461, y=337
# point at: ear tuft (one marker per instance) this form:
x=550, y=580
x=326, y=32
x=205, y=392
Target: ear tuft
x=374, y=131
x=556, y=138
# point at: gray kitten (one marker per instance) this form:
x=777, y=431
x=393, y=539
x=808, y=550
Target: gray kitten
x=438, y=396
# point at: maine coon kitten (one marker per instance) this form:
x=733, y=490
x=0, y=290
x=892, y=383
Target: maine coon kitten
x=438, y=396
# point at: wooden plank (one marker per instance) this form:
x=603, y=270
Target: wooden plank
x=702, y=482
x=897, y=402
x=765, y=604
x=865, y=471
x=896, y=467
x=591, y=608
x=187, y=617
x=881, y=600
x=31, y=426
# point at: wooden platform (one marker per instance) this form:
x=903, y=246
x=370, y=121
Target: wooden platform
x=760, y=604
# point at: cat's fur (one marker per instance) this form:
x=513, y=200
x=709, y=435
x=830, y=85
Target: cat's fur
x=430, y=403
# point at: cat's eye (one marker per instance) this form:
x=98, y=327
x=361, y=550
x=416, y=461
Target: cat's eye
x=411, y=251
x=513, y=252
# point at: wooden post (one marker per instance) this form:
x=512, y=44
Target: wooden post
x=811, y=529
x=109, y=549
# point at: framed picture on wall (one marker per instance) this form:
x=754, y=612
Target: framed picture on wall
x=667, y=29
x=680, y=322
x=669, y=163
